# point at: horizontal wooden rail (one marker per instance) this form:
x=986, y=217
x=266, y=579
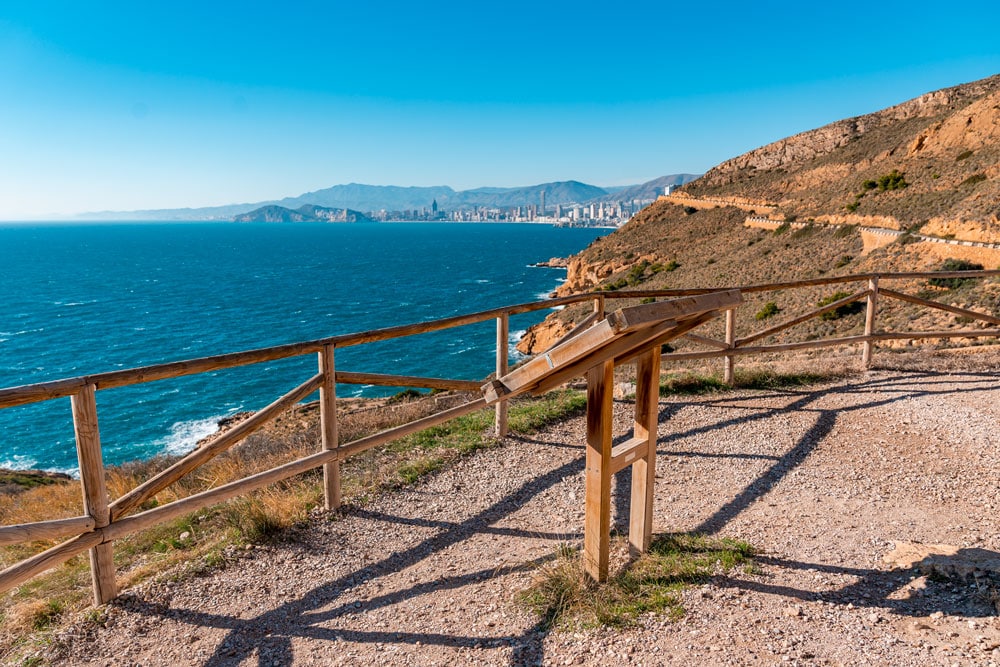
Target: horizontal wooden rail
x=29, y=567
x=951, y=333
x=32, y=393
x=833, y=305
x=810, y=282
x=221, y=443
x=46, y=530
x=764, y=349
x=382, y=380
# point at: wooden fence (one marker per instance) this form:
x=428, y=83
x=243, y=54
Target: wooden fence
x=106, y=520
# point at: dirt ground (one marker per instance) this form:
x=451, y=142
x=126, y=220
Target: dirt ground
x=824, y=481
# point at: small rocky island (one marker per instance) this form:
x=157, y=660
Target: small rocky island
x=306, y=213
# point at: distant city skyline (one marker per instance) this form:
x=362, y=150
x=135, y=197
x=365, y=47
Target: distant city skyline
x=124, y=106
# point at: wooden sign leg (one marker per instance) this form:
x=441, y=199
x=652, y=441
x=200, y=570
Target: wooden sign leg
x=647, y=393
x=597, y=523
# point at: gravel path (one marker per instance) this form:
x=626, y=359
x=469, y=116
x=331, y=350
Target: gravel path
x=823, y=480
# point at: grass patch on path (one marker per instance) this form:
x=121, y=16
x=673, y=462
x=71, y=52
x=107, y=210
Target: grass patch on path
x=564, y=597
x=673, y=384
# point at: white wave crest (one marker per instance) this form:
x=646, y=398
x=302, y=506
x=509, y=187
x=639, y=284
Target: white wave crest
x=18, y=462
x=185, y=435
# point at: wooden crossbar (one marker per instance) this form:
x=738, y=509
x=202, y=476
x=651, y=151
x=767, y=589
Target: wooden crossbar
x=219, y=444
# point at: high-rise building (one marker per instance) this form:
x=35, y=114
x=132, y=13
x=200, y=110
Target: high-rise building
x=543, y=204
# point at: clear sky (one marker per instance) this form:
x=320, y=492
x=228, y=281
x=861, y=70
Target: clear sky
x=125, y=105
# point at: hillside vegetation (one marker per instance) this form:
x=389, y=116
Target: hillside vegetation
x=927, y=166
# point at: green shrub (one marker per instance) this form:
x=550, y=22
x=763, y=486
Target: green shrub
x=790, y=218
x=955, y=265
x=843, y=311
x=769, y=310
x=853, y=206
x=843, y=261
x=869, y=185
x=690, y=210
x=892, y=181
x=782, y=228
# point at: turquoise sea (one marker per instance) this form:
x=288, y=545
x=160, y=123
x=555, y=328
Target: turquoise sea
x=87, y=298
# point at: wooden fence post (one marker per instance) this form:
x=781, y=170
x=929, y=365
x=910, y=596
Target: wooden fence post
x=597, y=481
x=328, y=425
x=869, y=347
x=95, y=492
x=647, y=395
x=599, y=306
x=503, y=340
x=728, y=368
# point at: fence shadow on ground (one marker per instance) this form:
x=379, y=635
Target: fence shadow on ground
x=303, y=617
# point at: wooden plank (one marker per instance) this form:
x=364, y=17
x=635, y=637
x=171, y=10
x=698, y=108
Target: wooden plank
x=597, y=478
x=383, y=380
x=503, y=335
x=636, y=317
x=647, y=397
x=328, y=426
x=614, y=351
x=95, y=492
x=626, y=453
x=871, y=306
x=940, y=306
x=29, y=567
x=219, y=444
x=802, y=318
x=519, y=379
x=143, y=520
x=582, y=326
x=45, y=530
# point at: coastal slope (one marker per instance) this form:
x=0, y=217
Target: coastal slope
x=921, y=171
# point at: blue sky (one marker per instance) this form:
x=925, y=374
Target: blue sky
x=125, y=105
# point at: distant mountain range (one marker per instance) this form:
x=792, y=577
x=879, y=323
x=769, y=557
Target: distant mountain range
x=357, y=197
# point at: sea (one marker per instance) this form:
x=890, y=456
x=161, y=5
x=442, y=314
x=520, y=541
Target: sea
x=79, y=298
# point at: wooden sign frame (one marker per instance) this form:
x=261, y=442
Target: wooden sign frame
x=634, y=333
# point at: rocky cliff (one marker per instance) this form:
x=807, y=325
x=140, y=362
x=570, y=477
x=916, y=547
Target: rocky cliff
x=929, y=166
